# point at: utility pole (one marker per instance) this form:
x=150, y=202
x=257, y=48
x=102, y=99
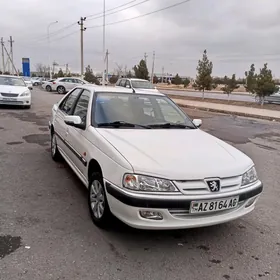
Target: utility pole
x=145, y=56
x=153, y=67
x=11, y=53
x=81, y=23
x=107, y=66
x=162, y=74
x=9, y=58
x=3, y=55
x=66, y=69
x=104, y=43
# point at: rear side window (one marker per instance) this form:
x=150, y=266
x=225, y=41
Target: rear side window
x=118, y=82
x=69, y=101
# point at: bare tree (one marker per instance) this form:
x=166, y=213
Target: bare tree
x=41, y=69
x=119, y=70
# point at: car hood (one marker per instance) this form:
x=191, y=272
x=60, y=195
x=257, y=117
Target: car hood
x=12, y=89
x=177, y=154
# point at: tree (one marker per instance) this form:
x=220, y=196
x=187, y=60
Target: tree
x=113, y=79
x=204, y=80
x=186, y=82
x=89, y=76
x=141, y=70
x=230, y=84
x=250, y=84
x=60, y=73
x=265, y=85
x=155, y=79
x=41, y=69
x=129, y=74
x=177, y=80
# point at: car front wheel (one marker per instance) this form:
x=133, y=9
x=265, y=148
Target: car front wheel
x=48, y=88
x=97, y=201
x=54, y=150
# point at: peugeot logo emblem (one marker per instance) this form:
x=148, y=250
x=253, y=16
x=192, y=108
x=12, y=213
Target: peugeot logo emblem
x=214, y=185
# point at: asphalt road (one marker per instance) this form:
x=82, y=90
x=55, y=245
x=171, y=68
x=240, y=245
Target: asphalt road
x=46, y=231
x=235, y=97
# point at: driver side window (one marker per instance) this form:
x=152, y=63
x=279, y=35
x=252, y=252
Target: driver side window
x=81, y=107
x=69, y=101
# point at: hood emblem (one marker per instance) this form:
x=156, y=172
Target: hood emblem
x=214, y=185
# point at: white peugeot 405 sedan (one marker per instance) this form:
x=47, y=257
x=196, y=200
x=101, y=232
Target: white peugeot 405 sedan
x=14, y=91
x=147, y=163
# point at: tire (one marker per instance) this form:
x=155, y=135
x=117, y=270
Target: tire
x=56, y=156
x=61, y=90
x=48, y=88
x=97, y=201
x=35, y=84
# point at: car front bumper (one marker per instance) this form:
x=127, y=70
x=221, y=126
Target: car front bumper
x=16, y=101
x=174, y=210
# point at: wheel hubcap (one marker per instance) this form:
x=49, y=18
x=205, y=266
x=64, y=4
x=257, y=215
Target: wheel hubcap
x=53, y=145
x=97, y=199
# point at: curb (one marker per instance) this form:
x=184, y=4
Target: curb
x=230, y=113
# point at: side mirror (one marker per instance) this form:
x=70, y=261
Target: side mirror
x=30, y=88
x=197, y=122
x=75, y=121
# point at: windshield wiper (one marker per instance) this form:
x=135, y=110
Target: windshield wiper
x=171, y=125
x=117, y=124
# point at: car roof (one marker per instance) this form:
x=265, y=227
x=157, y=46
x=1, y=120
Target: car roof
x=112, y=89
x=134, y=79
x=10, y=76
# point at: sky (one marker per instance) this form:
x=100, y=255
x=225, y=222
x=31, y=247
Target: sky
x=235, y=33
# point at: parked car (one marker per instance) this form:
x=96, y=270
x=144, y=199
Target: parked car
x=136, y=84
x=28, y=82
x=147, y=163
x=274, y=98
x=36, y=81
x=48, y=85
x=14, y=91
x=63, y=85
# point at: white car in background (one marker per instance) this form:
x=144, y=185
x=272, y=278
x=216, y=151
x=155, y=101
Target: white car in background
x=48, y=85
x=146, y=162
x=63, y=85
x=136, y=84
x=28, y=82
x=14, y=91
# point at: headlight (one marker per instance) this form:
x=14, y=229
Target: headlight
x=26, y=93
x=148, y=184
x=249, y=177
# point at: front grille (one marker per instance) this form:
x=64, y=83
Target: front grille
x=200, y=187
x=8, y=102
x=9, y=94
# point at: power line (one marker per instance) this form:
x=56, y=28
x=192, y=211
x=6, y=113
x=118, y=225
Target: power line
x=126, y=8
x=140, y=16
x=125, y=4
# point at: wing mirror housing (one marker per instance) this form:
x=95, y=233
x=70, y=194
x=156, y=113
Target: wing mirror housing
x=74, y=121
x=197, y=122
x=30, y=88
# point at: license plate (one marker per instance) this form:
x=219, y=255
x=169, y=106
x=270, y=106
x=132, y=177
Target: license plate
x=9, y=99
x=206, y=206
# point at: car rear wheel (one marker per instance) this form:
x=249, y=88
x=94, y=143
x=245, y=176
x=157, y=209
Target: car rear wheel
x=97, y=201
x=56, y=156
x=61, y=90
x=48, y=88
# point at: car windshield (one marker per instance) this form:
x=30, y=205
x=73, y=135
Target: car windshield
x=138, y=110
x=12, y=81
x=142, y=84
